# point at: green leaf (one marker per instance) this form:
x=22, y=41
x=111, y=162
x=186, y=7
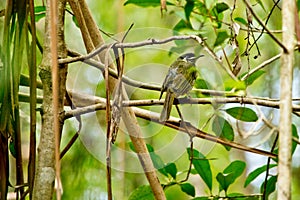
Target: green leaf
x=254, y=174
x=230, y=174
x=202, y=198
x=188, y=8
x=180, y=26
x=261, y=4
x=201, y=8
x=236, y=168
x=250, y=79
x=295, y=134
x=75, y=21
x=294, y=143
x=188, y=189
x=243, y=114
x=271, y=186
x=171, y=169
x=224, y=181
x=221, y=37
x=241, y=20
x=202, y=84
x=143, y=192
x=12, y=148
x=221, y=7
x=149, y=147
x=223, y=129
x=145, y=3
x=231, y=84
x=157, y=161
x=39, y=12
x=202, y=166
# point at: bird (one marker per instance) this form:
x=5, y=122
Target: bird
x=179, y=81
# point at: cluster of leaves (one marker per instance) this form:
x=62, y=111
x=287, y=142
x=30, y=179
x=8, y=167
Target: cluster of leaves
x=201, y=166
x=194, y=15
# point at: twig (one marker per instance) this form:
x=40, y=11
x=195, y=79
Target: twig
x=262, y=65
x=268, y=168
x=263, y=25
x=132, y=45
x=175, y=124
x=269, y=15
x=86, y=101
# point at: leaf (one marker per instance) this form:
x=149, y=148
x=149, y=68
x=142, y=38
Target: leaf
x=241, y=20
x=202, y=198
x=39, y=12
x=202, y=8
x=295, y=134
x=223, y=129
x=261, y=4
x=243, y=114
x=171, y=169
x=157, y=161
x=254, y=174
x=202, y=166
x=271, y=186
x=142, y=192
x=188, y=189
x=230, y=174
x=250, y=79
x=12, y=148
x=236, y=168
x=221, y=7
x=221, y=37
x=149, y=147
x=202, y=84
x=145, y=3
x=75, y=21
x=188, y=8
x=224, y=181
x=231, y=84
x=294, y=143
x=181, y=25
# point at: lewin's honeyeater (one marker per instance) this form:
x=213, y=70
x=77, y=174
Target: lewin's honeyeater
x=179, y=81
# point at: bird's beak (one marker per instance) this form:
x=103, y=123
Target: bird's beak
x=196, y=58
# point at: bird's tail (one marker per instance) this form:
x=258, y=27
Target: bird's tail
x=165, y=113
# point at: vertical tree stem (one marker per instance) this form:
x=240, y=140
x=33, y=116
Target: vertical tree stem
x=286, y=80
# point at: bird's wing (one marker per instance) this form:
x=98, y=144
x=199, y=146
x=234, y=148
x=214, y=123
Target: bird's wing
x=171, y=75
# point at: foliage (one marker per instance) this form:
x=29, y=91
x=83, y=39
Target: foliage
x=231, y=38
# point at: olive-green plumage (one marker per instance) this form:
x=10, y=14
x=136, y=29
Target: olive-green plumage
x=179, y=81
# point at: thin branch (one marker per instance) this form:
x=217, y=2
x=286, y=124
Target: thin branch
x=132, y=45
x=263, y=25
x=269, y=15
x=148, y=42
x=174, y=123
x=262, y=65
x=268, y=168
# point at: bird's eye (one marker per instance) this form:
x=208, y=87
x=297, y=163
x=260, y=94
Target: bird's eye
x=181, y=57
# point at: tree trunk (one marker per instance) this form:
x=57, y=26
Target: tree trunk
x=286, y=81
